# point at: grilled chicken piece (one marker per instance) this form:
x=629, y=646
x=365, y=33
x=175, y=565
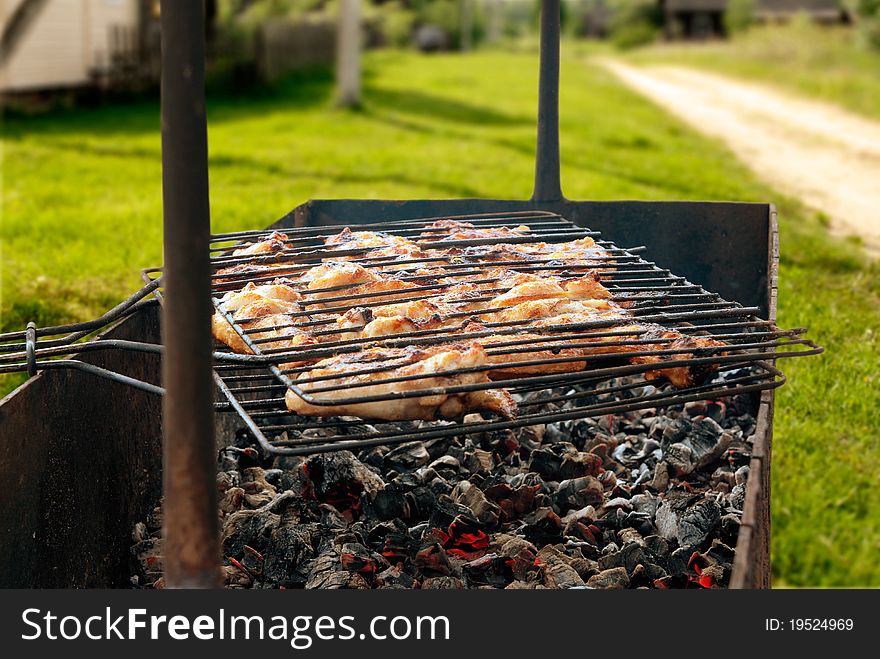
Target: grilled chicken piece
x=555, y=311
x=679, y=376
x=274, y=243
x=252, y=304
x=248, y=316
x=509, y=350
x=245, y=271
x=429, y=363
x=279, y=289
x=394, y=318
x=584, y=288
x=351, y=240
x=449, y=230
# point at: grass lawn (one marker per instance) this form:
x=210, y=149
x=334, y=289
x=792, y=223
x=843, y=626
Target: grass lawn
x=826, y=63
x=82, y=214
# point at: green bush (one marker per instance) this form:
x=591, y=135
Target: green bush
x=634, y=23
x=866, y=14
x=739, y=16
x=396, y=23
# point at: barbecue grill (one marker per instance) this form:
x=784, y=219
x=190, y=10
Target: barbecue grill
x=82, y=438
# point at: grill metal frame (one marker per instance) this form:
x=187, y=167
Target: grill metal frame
x=754, y=341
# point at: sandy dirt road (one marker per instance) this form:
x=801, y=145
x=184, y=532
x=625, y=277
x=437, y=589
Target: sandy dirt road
x=818, y=153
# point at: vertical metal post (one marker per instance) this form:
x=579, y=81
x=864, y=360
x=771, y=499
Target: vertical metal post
x=192, y=554
x=547, y=183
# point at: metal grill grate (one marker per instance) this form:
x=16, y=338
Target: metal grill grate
x=255, y=385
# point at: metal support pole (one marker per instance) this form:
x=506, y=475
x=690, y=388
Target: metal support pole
x=547, y=183
x=192, y=554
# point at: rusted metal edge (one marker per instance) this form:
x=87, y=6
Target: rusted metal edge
x=751, y=568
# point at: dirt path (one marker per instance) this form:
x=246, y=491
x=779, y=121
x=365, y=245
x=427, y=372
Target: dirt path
x=818, y=153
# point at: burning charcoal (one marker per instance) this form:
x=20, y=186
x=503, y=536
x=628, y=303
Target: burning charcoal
x=706, y=450
x=738, y=497
x=471, y=496
x=543, y=526
x=489, y=570
x=273, y=477
x=442, y=583
x=546, y=463
x=388, y=504
x=628, y=557
x=575, y=465
x=446, y=466
x=406, y=457
x=523, y=585
x=579, y=492
x=354, y=557
x=477, y=460
x=232, y=500
x=680, y=459
x=514, y=503
x=288, y=554
x=559, y=575
x=676, y=431
x=645, y=503
x=723, y=475
x=641, y=522
x=397, y=547
x=521, y=556
x=339, y=478
x=139, y=532
x=446, y=511
x=327, y=573
x=233, y=458
x=227, y=479
x=613, y=579
x=641, y=495
x=248, y=527
x=630, y=535
x=712, y=568
x=432, y=560
x=531, y=437
x=374, y=457
x=395, y=577
x=439, y=486
x=233, y=577
x=148, y=556
x=689, y=519
x=618, y=503
x=661, y=477
x=730, y=524
x=586, y=515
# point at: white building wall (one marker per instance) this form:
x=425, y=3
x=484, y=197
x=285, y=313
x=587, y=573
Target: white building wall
x=66, y=40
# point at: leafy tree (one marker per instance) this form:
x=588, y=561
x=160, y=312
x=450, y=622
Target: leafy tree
x=739, y=16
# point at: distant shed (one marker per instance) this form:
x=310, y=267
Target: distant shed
x=700, y=19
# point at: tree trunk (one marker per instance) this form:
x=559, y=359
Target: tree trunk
x=348, y=54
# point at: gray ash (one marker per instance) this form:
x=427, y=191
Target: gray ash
x=651, y=498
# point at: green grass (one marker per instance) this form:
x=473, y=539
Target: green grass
x=82, y=214
x=826, y=63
